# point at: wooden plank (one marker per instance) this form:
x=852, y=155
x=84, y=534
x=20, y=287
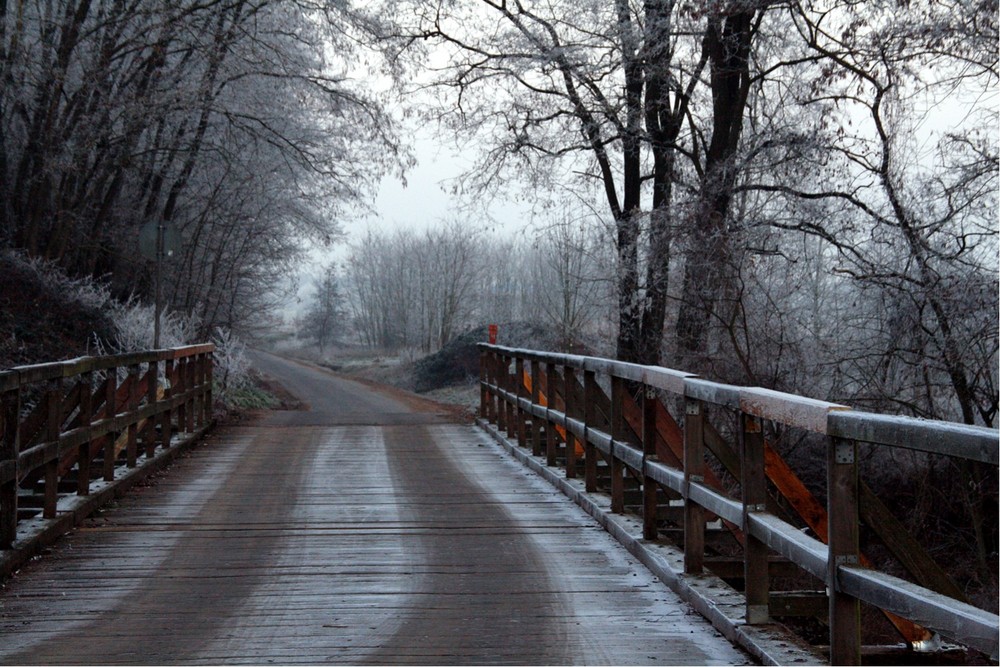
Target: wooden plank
x=368, y=544
x=797, y=411
x=976, y=443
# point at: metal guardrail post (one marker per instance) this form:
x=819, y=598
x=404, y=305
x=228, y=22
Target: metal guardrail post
x=754, y=491
x=10, y=409
x=842, y=511
x=694, y=472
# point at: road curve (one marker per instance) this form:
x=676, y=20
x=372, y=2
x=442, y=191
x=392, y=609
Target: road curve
x=366, y=529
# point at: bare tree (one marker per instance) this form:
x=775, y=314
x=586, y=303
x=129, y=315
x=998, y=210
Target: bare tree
x=323, y=321
x=223, y=119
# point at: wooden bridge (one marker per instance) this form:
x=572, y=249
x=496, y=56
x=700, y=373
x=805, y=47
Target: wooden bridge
x=378, y=528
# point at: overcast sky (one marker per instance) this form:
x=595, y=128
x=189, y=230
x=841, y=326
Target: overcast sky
x=423, y=202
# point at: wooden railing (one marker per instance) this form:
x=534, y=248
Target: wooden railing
x=556, y=403
x=57, y=419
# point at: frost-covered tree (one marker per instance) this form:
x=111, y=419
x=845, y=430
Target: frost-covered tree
x=240, y=123
x=324, y=319
x=415, y=289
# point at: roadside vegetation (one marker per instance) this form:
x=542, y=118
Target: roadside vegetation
x=48, y=316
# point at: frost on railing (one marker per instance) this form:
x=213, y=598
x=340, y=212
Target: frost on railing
x=94, y=412
x=607, y=420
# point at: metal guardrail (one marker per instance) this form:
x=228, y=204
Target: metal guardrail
x=506, y=401
x=77, y=418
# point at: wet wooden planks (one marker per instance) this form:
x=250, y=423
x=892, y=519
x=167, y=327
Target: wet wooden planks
x=411, y=543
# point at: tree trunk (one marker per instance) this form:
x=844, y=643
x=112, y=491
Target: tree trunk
x=707, y=266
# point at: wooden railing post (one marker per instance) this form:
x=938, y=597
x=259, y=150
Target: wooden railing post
x=570, y=409
x=131, y=453
x=149, y=431
x=483, y=411
x=499, y=376
x=486, y=376
x=191, y=384
x=209, y=374
x=520, y=393
x=110, y=410
x=495, y=400
x=590, y=390
x=203, y=409
x=551, y=443
x=86, y=384
x=10, y=441
x=536, y=399
x=182, y=386
x=842, y=513
x=510, y=385
x=694, y=472
x=650, y=505
x=54, y=400
x=754, y=491
x=617, y=437
x=165, y=417
x=194, y=417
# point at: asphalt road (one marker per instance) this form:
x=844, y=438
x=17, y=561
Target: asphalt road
x=368, y=528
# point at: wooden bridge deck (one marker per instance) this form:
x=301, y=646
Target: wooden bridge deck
x=361, y=530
